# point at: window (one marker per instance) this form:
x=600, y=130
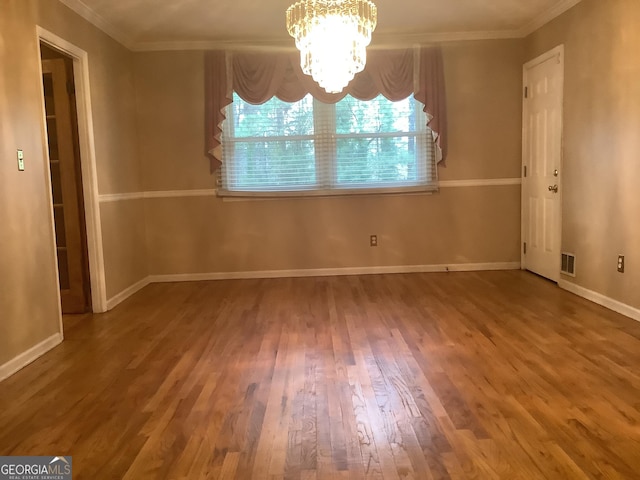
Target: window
x=352, y=146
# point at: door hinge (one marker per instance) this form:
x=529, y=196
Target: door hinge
x=524, y=249
x=524, y=171
x=526, y=92
x=71, y=89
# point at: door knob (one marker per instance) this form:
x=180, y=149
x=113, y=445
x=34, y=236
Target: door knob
x=553, y=188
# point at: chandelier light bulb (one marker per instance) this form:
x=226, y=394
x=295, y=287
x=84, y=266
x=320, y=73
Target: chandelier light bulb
x=332, y=36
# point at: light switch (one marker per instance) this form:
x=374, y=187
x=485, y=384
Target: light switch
x=20, y=160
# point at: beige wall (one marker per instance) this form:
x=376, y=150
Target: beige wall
x=170, y=112
x=483, y=81
x=205, y=234
x=124, y=244
x=28, y=285
x=28, y=298
x=601, y=166
x=457, y=225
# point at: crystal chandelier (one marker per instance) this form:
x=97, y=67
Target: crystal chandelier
x=332, y=36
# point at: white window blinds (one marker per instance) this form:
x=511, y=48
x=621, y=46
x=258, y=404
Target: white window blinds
x=349, y=147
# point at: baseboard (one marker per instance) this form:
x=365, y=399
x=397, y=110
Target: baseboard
x=25, y=358
x=600, y=299
x=325, y=272
x=127, y=292
x=315, y=272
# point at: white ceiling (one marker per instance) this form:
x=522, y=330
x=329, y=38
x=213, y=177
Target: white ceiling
x=152, y=24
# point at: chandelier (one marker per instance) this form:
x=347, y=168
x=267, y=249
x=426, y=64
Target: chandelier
x=332, y=36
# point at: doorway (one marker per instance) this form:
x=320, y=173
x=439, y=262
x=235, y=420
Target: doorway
x=88, y=168
x=66, y=180
x=542, y=164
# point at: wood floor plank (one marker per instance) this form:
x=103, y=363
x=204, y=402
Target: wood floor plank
x=477, y=375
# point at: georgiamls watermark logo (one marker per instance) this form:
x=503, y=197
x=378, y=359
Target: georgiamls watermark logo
x=62, y=460
x=35, y=468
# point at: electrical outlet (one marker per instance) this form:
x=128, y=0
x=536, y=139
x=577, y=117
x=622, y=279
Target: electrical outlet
x=373, y=240
x=621, y=263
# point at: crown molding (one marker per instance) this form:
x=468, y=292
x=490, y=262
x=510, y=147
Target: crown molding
x=382, y=41
x=267, y=44
x=545, y=17
x=99, y=21
x=442, y=37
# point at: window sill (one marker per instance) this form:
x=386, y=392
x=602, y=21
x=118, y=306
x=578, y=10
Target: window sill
x=228, y=195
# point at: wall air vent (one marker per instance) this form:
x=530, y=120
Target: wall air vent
x=568, y=264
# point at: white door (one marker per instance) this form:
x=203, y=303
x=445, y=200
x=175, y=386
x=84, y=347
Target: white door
x=541, y=160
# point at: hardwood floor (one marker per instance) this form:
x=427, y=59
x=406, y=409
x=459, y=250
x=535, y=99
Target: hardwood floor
x=426, y=376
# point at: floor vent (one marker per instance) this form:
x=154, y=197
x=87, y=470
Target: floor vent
x=568, y=264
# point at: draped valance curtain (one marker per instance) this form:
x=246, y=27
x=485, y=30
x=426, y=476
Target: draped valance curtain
x=257, y=77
